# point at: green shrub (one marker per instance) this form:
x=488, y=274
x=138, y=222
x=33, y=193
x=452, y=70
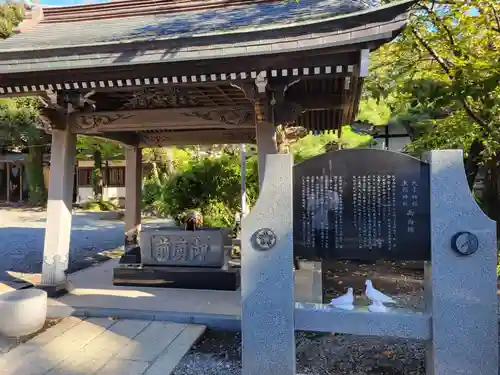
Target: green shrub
x=212, y=185
x=209, y=185
x=99, y=205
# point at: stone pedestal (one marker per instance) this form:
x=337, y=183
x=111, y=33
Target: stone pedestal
x=178, y=277
x=175, y=258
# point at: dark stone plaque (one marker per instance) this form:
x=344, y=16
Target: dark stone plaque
x=364, y=204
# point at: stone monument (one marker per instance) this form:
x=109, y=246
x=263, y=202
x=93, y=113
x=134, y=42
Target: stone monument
x=371, y=204
x=179, y=258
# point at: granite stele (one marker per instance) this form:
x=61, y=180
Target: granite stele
x=331, y=206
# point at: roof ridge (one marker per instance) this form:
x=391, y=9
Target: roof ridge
x=106, y=5
x=401, y=6
x=169, y=6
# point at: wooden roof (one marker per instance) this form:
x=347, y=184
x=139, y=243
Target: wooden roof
x=160, y=72
x=142, y=32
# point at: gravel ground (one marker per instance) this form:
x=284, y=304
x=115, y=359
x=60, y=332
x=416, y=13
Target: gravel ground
x=219, y=353
x=22, y=239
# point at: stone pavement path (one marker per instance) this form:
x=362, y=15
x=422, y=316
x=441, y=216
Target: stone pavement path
x=22, y=238
x=103, y=346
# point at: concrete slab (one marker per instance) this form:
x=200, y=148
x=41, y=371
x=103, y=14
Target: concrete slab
x=93, y=288
x=93, y=294
x=103, y=346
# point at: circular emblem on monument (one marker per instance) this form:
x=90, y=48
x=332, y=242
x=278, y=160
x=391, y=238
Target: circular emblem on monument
x=465, y=243
x=263, y=239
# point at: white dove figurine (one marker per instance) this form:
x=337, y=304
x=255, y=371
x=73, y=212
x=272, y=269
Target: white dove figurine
x=377, y=306
x=375, y=295
x=344, y=302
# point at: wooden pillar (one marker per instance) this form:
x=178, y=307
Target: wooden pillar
x=133, y=180
x=266, y=139
x=59, y=207
x=8, y=182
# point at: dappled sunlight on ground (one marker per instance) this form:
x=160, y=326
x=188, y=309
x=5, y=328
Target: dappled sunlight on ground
x=111, y=293
x=102, y=345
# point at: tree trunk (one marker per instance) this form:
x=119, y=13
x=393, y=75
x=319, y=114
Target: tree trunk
x=472, y=162
x=105, y=181
x=491, y=195
x=97, y=174
x=34, y=172
x=155, y=173
x=170, y=160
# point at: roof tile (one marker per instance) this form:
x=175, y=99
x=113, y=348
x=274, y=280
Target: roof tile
x=249, y=17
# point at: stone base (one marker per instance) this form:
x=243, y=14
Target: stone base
x=55, y=291
x=131, y=257
x=177, y=277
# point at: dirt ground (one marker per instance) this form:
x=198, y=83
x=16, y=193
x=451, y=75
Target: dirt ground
x=393, y=278
x=219, y=353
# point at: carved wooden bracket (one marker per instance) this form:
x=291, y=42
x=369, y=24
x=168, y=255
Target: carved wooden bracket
x=283, y=111
x=286, y=112
x=248, y=89
x=53, y=118
x=91, y=123
x=236, y=116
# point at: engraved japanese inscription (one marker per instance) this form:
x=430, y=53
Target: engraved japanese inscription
x=177, y=247
x=362, y=204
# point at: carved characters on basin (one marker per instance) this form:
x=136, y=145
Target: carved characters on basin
x=179, y=250
x=199, y=248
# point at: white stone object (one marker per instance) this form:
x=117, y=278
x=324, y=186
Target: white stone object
x=344, y=302
x=377, y=306
x=376, y=296
x=22, y=312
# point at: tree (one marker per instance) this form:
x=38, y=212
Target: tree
x=20, y=128
x=441, y=77
x=19, y=124
x=10, y=16
x=100, y=151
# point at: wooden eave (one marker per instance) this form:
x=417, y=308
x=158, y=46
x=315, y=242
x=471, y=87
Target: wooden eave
x=210, y=54
x=324, y=56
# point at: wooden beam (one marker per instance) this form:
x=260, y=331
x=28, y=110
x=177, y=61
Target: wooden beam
x=224, y=117
x=127, y=138
x=315, y=100
x=209, y=137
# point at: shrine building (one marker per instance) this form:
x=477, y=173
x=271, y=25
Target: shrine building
x=152, y=73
